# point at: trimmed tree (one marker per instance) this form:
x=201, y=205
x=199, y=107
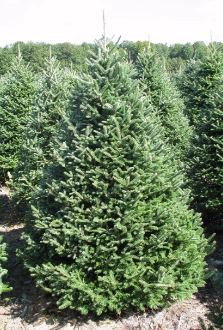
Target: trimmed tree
x=16, y=99
x=206, y=158
x=110, y=228
x=165, y=98
x=51, y=101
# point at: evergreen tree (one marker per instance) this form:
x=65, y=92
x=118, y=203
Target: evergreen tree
x=166, y=100
x=199, y=82
x=51, y=101
x=16, y=97
x=3, y=258
x=110, y=228
x=206, y=158
x=194, y=90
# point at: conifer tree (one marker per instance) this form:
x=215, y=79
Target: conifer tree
x=194, y=90
x=3, y=258
x=165, y=99
x=110, y=228
x=16, y=97
x=51, y=102
x=206, y=158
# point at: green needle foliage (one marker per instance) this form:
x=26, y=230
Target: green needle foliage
x=16, y=98
x=51, y=101
x=165, y=99
x=3, y=258
x=194, y=90
x=110, y=228
x=206, y=159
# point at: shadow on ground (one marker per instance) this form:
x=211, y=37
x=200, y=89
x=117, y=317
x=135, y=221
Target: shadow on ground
x=212, y=295
x=7, y=210
x=214, y=303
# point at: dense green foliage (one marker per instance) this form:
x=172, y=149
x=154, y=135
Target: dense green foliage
x=190, y=83
x=110, y=228
x=50, y=103
x=3, y=258
x=69, y=54
x=16, y=98
x=165, y=99
x=206, y=158
x=35, y=55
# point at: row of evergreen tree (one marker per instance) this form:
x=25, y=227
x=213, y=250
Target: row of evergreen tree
x=102, y=164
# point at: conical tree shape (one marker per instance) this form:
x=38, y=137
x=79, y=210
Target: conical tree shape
x=51, y=102
x=110, y=228
x=165, y=99
x=16, y=99
x=206, y=159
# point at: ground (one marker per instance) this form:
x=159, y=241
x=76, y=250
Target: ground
x=28, y=308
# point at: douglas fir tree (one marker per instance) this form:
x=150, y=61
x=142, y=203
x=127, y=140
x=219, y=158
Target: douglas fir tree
x=110, y=228
x=16, y=98
x=51, y=102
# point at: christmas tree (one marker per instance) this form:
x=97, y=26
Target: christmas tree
x=51, y=102
x=16, y=98
x=165, y=99
x=206, y=158
x=110, y=228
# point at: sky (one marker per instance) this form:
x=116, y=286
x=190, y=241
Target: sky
x=77, y=21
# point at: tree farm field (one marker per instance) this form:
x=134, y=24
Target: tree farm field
x=111, y=179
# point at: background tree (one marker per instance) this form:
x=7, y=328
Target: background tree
x=165, y=99
x=34, y=54
x=198, y=84
x=133, y=49
x=206, y=159
x=16, y=98
x=74, y=56
x=110, y=229
x=200, y=50
x=194, y=90
x=51, y=101
x=6, y=58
